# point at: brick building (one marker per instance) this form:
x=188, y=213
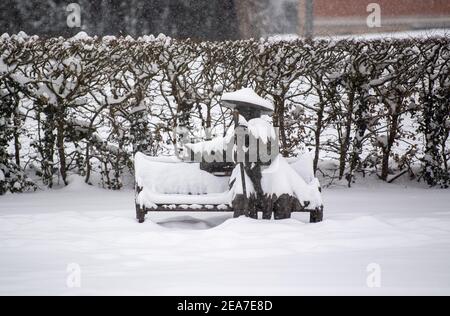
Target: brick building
x=331, y=17
x=350, y=16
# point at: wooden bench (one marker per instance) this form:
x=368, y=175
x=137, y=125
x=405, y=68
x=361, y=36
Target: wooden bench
x=155, y=194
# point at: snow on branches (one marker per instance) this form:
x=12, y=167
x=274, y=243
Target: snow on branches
x=86, y=105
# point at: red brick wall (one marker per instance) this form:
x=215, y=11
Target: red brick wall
x=345, y=8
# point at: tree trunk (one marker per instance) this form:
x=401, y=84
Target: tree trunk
x=88, y=163
x=243, y=12
x=17, y=148
x=17, y=125
x=317, y=135
x=385, y=165
x=444, y=153
x=390, y=142
x=61, y=151
x=346, y=142
x=279, y=121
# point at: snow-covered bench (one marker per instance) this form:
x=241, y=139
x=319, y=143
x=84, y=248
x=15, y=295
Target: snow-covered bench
x=168, y=184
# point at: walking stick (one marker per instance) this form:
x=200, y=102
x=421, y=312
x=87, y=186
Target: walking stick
x=241, y=164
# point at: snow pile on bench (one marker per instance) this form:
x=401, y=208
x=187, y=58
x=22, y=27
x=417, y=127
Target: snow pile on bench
x=217, y=144
x=283, y=178
x=262, y=130
x=169, y=181
x=304, y=166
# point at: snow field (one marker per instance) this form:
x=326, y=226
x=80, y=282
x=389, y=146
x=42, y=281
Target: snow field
x=405, y=231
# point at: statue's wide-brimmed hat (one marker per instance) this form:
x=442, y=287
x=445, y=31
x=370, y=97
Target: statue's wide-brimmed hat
x=247, y=101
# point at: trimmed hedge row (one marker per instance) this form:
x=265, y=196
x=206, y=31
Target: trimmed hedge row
x=86, y=105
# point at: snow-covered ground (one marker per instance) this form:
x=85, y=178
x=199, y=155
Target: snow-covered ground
x=405, y=232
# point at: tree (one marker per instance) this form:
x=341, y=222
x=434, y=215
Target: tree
x=434, y=96
x=12, y=177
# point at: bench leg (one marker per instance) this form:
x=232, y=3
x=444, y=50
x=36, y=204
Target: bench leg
x=316, y=216
x=140, y=214
x=240, y=204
